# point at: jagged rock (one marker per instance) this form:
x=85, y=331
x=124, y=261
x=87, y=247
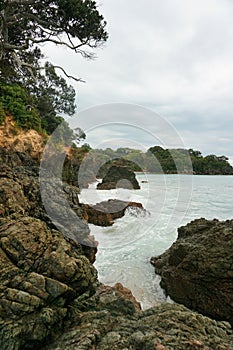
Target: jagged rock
x=197, y=270
x=20, y=193
x=41, y=273
x=104, y=213
x=166, y=326
x=119, y=177
x=50, y=298
x=109, y=294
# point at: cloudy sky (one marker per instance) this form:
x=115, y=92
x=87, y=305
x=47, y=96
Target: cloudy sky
x=171, y=63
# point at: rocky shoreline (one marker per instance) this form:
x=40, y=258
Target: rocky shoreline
x=197, y=270
x=50, y=296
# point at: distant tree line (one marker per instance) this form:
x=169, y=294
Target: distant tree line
x=156, y=160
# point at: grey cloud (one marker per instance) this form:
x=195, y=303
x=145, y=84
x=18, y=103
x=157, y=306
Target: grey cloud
x=175, y=57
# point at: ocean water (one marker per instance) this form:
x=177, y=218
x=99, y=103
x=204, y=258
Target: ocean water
x=171, y=201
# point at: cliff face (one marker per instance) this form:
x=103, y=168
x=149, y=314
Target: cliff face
x=19, y=140
x=50, y=297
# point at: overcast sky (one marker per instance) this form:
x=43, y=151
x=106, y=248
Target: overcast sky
x=172, y=57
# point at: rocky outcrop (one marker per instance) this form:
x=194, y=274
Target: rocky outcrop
x=50, y=297
x=41, y=273
x=164, y=327
x=197, y=270
x=20, y=194
x=104, y=213
x=119, y=177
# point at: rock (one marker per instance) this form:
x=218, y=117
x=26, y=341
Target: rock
x=119, y=177
x=41, y=273
x=20, y=193
x=28, y=142
x=50, y=297
x=165, y=326
x=118, y=290
x=104, y=213
x=197, y=270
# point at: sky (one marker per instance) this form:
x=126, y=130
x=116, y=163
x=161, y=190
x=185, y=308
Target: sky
x=166, y=71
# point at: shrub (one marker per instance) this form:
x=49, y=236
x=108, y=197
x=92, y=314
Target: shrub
x=15, y=100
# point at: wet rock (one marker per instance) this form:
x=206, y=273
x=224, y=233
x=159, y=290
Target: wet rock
x=197, y=270
x=119, y=177
x=104, y=213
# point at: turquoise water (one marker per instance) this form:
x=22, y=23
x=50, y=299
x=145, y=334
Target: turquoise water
x=172, y=200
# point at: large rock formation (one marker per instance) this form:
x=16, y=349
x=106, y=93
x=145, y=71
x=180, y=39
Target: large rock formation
x=20, y=193
x=50, y=299
x=197, y=270
x=119, y=177
x=104, y=213
x=41, y=273
x=117, y=326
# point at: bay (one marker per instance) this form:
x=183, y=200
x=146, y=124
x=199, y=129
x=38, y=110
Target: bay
x=125, y=248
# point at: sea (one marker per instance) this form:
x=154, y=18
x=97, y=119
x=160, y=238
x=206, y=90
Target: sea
x=170, y=201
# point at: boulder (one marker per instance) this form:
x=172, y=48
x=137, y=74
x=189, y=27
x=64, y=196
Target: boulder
x=119, y=177
x=104, y=213
x=197, y=270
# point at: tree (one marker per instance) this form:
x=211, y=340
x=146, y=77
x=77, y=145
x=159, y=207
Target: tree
x=24, y=24
x=52, y=97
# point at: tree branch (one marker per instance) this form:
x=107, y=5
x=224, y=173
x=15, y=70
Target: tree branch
x=69, y=76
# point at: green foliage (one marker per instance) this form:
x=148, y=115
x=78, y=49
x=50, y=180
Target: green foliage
x=30, y=90
x=177, y=160
x=96, y=163
x=118, y=162
x=15, y=100
x=24, y=25
x=53, y=95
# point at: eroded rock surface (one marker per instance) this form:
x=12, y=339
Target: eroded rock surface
x=197, y=270
x=119, y=177
x=50, y=299
x=41, y=273
x=165, y=327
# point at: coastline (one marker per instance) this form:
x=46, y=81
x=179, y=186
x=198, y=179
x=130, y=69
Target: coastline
x=49, y=288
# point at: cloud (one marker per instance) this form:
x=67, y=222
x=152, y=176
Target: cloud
x=174, y=57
